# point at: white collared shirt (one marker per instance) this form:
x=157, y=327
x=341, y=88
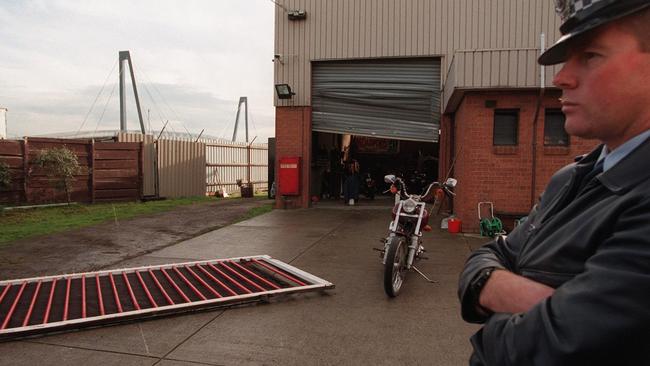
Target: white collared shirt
x=613, y=157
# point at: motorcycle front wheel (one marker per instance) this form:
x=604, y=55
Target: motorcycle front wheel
x=395, y=267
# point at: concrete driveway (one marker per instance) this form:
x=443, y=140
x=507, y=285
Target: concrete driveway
x=353, y=324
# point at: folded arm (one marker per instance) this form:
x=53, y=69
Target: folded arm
x=506, y=292
x=599, y=317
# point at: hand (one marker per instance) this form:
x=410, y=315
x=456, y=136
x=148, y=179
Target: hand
x=506, y=292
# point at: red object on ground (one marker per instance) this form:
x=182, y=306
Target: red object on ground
x=13, y=306
x=280, y=273
x=49, y=302
x=100, y=300
x=67, y=300
x=454, y=225
x=39, y=305
x=83, y=296
x=289, y=176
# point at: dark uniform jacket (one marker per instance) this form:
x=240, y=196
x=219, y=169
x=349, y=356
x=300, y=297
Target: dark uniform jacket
x=593, y=247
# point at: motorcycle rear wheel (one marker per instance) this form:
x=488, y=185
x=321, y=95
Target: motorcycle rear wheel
x=395, y=267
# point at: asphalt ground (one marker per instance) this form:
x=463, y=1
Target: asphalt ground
x=353, y=324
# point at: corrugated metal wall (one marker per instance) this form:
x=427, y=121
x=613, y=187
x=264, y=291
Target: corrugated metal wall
x=189, y=168
x=487, y=68
x=389, y=98
x=352, y=29
x=181, y=168
x=476, y=69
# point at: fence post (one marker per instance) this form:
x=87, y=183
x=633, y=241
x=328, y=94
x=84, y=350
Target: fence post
x=26, y=170
x=140, y=166
x=92, y=171
x=248, y=163
x=156, y=182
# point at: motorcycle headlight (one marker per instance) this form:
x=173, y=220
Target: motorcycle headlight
x=409, y=206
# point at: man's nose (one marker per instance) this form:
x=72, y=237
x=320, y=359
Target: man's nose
x=566, y=77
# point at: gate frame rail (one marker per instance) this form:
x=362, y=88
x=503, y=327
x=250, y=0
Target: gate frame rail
x=95, y=321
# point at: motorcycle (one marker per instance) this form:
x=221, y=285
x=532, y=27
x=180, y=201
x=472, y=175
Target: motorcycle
x=369, y=186
x=403, y=246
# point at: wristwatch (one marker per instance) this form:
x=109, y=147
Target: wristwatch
x=477, y=284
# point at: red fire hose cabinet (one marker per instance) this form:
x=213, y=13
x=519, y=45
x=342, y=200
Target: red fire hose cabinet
x=289, y=176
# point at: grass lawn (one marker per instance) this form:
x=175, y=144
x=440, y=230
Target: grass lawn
x=23, y=223
x=256, y=211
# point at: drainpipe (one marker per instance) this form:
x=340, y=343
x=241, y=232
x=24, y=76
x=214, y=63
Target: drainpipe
x=452, y=138
x=540, y=97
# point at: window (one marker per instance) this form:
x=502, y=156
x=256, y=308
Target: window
x=506, y=123
x=554, y=132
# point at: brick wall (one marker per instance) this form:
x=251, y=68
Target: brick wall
x=503, y=174
x=293, y=138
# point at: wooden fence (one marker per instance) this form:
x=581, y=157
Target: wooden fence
x=109, y=171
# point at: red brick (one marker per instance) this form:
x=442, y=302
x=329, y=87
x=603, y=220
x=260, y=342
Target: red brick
x=502, y=175
x=293, y=139
x=485, y=173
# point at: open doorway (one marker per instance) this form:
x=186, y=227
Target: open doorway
x=345, y=167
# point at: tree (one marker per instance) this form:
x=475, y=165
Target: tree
x=61, y=164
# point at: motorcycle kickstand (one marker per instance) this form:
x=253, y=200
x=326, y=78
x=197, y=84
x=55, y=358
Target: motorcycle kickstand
x=423, y=275
x=382, y=251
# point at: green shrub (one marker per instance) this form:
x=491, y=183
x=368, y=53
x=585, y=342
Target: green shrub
x=61, y=164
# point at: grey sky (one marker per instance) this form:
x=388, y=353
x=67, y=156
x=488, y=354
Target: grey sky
x=192, y=60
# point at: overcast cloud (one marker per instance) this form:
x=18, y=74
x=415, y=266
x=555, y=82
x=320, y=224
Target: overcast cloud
x=192, y=61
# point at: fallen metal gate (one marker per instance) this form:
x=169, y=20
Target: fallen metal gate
x=47, y=304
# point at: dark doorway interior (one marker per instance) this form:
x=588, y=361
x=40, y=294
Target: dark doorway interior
x=334, y=157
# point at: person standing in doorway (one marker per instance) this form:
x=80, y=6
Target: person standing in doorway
x=352, y=181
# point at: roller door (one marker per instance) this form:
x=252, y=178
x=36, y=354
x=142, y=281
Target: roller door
x=388, y=98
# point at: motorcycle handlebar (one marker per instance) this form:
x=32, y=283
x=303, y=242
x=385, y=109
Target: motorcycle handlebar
x=444, y=187
x=399, y=183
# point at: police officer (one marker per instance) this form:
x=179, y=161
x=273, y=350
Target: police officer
x=571, y=286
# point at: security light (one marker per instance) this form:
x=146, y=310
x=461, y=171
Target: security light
x=284, y=91
x=297, y=15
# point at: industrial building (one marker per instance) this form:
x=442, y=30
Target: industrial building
x=428, y=87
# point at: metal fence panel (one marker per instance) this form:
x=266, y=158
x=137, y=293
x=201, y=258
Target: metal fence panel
x=184, y=162
x=181, y=168
x=228, y=162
